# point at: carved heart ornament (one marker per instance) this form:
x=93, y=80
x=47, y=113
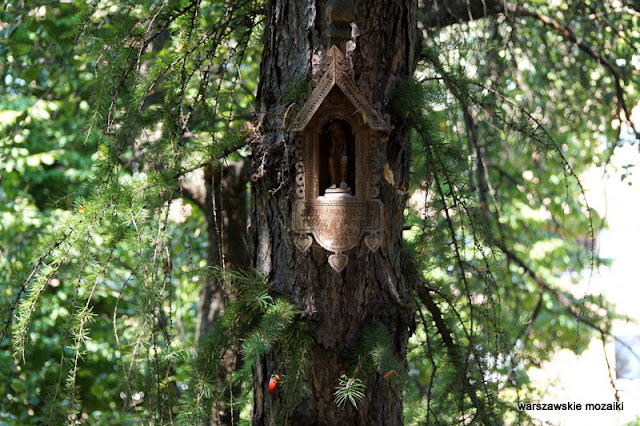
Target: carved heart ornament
x=303, y=242
x=372, y=241
x=338, y=261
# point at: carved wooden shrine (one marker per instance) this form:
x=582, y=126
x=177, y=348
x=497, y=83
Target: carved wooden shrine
x=338, y=165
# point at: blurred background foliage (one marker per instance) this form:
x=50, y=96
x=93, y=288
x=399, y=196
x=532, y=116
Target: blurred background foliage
x=103, y=105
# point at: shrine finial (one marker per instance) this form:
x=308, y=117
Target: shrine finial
x=340, y=14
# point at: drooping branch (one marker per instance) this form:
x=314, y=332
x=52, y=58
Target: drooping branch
x=464, y=99
x=569, y=35
x=486, y=411
x=437, y=14
x=24, y=286
x=436, y=314
x=483, y=188
x=561, y=298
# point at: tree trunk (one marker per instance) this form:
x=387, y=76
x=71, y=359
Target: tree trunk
x=226, y=235
x=373, y=289
x=221, y=194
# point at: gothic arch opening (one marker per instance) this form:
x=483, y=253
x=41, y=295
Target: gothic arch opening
x=337, y=157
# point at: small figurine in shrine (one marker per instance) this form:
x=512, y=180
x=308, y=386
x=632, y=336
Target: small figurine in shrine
x=338, y=158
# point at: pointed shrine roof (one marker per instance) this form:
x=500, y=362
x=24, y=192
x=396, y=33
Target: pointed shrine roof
x=337, y=74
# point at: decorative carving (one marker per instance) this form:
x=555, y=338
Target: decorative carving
x=338, y=225
x=337, y=74
x=299, y=147
x=303, y=242
x=338, y=261
x=338, y=166
x=373, y=241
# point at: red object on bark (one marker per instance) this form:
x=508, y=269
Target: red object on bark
x=273, y=382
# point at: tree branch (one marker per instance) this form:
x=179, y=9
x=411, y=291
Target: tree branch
x=437, y=14
x=561, y=298
x=436, y=313
x=567, y=34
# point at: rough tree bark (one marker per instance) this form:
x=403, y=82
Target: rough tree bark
x=374, y=288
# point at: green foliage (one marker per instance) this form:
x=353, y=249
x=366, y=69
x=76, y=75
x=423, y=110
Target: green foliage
x=276, y=319
x=295, y=384
x=106, y=107
x=259, y=322
x=374, y=356
x=98, y=277
x=348, y=388
x=501, y=229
